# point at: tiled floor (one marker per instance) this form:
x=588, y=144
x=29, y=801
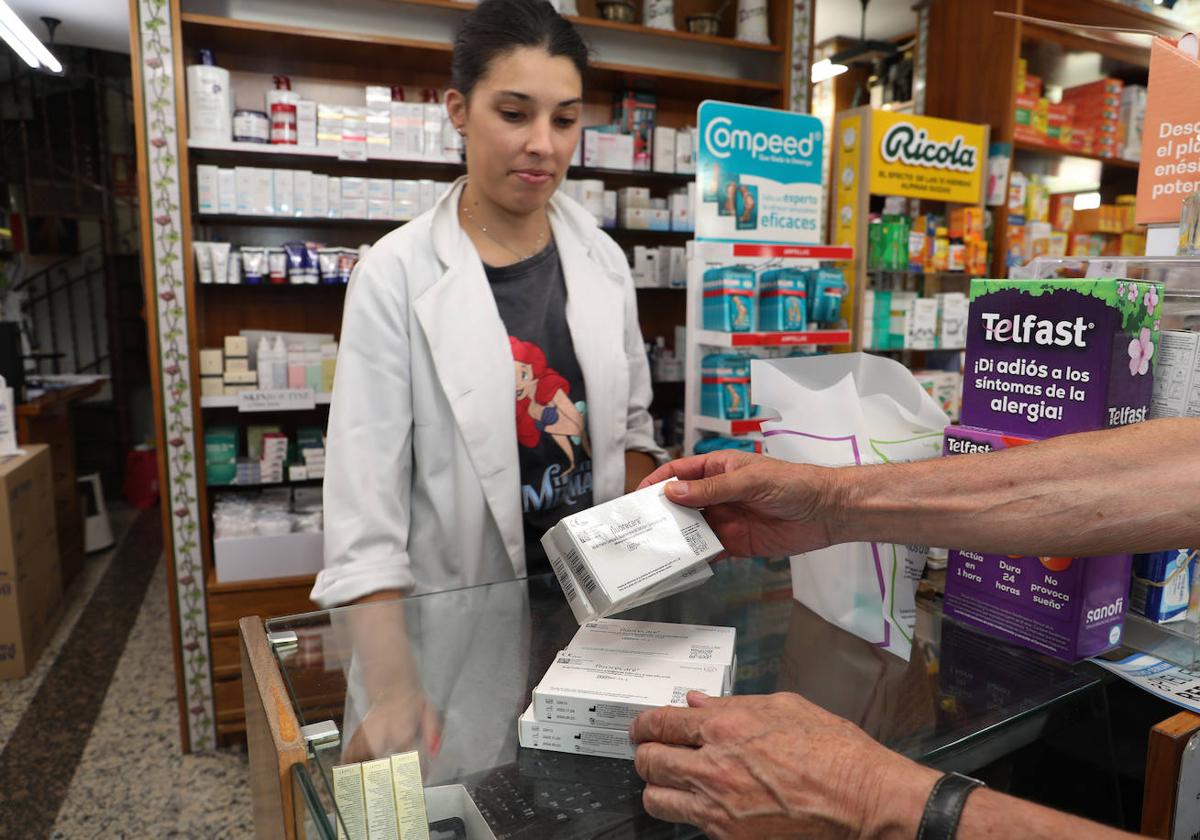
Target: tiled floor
x=89, y=741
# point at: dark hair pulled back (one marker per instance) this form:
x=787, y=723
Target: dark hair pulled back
x=497, y=27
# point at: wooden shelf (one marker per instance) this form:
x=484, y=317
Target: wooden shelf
x=1055, y=151
x=306, y=482
x=292, y=221
x=216, y=588
x=233, y=153
x=630, y=28
x=1135, y=51
x=366, y=57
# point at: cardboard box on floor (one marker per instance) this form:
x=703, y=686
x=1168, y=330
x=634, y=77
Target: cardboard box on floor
x=31, y=600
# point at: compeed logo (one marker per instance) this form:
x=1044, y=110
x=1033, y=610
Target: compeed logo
x=723, y=140
x=911, y=146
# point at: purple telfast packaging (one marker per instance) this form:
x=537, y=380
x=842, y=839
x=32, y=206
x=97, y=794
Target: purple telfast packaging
x=1068, y=607
x=1051, y=357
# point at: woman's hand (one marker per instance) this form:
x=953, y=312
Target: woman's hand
x=758, y=506
x=400, y=721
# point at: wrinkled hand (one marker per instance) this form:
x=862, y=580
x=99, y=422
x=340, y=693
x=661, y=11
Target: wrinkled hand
x=758, y=506
x=774, y=766
x=398, y=722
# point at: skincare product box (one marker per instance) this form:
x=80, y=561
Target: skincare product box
x=212, y=386
x=302, y=193
x=1162, y=585
x=783, y=300
x=244, y=191
x=318, y=195
x=207, y=189
x=685, y=151
x=406, y=200
x=664, y=149
x=1068, y=607
x=334, y=197
x=572, y=738
x=236, y=345
x=408, y=129
x=306, y=123
x=659, y=640
x=729, y=299
x=953, y=309
x=1056, y=356
x=645, y=267
x=227, y=195
x=212, y=361
x=725, y=386
x=263, y=191
x=610, y=692
x=920, y=325
x=1177, y=375
x=630, y=197
x=282, y=183
x=607, y=150
x=629, y=551
x=645, y=218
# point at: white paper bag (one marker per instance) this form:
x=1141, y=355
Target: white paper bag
x=839, y=410
x=8, y=420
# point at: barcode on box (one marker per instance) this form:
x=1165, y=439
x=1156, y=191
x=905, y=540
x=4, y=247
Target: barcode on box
x=575, y=561
x=564, y=579
x=695, y=540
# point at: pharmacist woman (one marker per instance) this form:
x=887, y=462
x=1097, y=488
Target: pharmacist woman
x=491, y=380
x=491, y=374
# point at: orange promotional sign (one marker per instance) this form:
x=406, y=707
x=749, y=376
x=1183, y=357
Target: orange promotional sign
x=1170, y=165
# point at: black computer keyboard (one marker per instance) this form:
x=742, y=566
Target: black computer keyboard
x=558, y=796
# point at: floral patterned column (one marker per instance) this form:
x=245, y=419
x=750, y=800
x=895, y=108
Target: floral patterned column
x=154, y=57
x=801, y=85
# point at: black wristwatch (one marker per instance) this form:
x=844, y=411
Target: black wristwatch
x=945, y=806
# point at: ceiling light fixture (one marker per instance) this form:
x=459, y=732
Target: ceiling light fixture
x=23, y=42
x=821, y=70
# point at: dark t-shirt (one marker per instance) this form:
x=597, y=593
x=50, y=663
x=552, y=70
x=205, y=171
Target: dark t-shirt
x=551, y=404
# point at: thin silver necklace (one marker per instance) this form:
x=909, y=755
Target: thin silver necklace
x=483, y=229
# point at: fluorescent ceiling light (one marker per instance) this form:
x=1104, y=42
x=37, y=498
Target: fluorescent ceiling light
x=17, y=47
x=821, y=70
x=1087, y=201
x=10, y=26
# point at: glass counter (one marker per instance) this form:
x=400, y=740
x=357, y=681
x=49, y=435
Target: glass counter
x=447, y=674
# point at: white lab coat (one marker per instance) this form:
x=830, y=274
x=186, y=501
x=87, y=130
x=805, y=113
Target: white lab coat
x=422, y=480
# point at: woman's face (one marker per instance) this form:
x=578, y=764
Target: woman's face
x=521, y=126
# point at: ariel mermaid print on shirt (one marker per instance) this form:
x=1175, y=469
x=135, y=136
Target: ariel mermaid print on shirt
x=544, y=405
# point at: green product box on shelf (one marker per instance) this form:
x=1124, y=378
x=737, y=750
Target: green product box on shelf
x=220, y=454
x=254, y=437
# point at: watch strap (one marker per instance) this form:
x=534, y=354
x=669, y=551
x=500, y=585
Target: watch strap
x=945, y=806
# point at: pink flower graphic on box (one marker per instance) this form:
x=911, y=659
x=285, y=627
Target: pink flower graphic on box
x=1151, y=299
x=1133, y=292
x=1141, y=350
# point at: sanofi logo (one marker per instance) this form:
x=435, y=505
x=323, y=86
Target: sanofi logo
x=723, y=139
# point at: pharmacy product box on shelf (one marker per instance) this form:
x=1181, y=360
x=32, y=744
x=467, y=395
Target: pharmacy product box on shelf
x=1068, y=607
x=260, y=557
x=729, y=299
x=1056, y=356
x=725, y=386
x=783, y=300
x=31, y=601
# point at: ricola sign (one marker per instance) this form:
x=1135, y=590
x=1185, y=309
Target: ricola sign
x=925, y=157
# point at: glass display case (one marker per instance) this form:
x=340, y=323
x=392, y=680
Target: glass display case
x=448, y=674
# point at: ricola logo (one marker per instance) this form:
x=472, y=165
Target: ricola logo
x=911, y=146
x=1030, y=329
x=723, y=140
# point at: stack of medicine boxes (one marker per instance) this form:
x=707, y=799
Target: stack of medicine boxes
x=615, y=669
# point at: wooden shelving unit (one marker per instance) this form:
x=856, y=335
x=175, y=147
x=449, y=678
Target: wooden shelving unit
x=970, y=35
x=271, y=38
